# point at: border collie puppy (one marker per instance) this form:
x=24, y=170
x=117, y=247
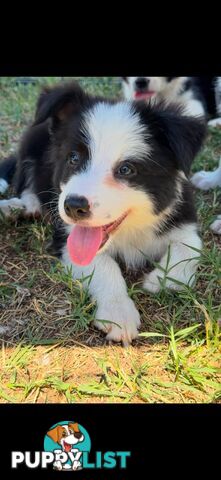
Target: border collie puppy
x=116, y=174
x=198, y=95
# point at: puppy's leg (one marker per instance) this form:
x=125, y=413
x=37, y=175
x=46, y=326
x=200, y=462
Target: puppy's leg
x=28, y=204
x=179, y=263
x=216, y=225
x=31, y=202
x=3, y=185
x=205, y=180
x=108, y=288
x=57, y=465
x=216, y=122
x=8, y=206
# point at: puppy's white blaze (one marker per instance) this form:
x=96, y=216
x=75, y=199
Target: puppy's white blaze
x=66, y=428
x=115, y=133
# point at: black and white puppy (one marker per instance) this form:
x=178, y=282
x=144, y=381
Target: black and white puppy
x=198, y=95
x=117, y=173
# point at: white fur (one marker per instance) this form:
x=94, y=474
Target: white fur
x=206, y=180
x=31, y=202
x=7, y=206
x=114, y=132
x=216, y=225
x=28, y=204
x=3, y=185
x=216, y=122
x=179, y=262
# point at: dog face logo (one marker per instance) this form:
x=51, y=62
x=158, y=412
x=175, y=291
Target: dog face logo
x=66, y=435
x=67, y=440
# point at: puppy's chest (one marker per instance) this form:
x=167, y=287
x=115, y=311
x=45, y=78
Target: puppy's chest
x=137, y=252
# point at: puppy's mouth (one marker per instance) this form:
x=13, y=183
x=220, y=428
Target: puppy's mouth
x=84, y=242
x=138, y=95
x=67, y=446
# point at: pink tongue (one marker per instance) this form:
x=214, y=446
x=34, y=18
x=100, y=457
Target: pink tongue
x=83, y=244
x=143, y=95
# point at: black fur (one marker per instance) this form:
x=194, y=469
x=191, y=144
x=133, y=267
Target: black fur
x=7, y=168
x=206, y=87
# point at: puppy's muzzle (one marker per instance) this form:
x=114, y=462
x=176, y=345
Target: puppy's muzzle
x=77, y=207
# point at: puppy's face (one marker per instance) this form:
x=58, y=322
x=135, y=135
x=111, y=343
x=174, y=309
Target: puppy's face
x=66, y=435
x=143, y=88
x=116, y=165
x=103, y=169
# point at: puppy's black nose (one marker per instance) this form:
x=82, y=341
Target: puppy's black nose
x=77, y=434
x=142, y=83
x=76, y=207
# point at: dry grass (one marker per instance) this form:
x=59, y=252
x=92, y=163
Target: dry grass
x=51, y=353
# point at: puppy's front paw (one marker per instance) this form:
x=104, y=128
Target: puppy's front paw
x=154, y=280
x=76, y=465
x=216, y=225
x=204, y=180
x=57, y=465
x=8, y=207
x=125, y=317
x=216, y=122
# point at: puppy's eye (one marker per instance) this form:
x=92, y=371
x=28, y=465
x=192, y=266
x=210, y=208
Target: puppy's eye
x=73, y=158
x=64, y=434
x=126, y=170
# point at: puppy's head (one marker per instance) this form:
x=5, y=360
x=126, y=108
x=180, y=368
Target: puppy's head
x=66, y=435
x=144, y=88
x=116, y=164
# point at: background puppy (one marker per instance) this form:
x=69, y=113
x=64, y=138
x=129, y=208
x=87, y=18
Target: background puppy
x=198, y=95
x=116, y=175
x=206, y=180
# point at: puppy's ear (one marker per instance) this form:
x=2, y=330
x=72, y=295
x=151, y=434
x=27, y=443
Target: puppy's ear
x=54, y=434
x=180, y=136
x=59, y=102
x=41, y=100
x=74, y=427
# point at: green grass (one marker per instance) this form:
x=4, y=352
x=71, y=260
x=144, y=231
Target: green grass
x=49, y=350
